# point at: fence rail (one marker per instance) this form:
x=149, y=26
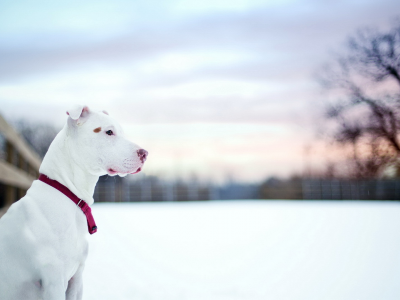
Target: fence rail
x=114, y=189
x=19, y=166
x=351, y=189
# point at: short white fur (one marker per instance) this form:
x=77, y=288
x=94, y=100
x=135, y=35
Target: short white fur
x=43, y=236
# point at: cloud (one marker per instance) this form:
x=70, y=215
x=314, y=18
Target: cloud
x=176, y=66
x=263, y=110
x=287, y=33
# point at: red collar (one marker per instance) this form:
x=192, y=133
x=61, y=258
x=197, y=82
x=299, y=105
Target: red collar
x=79, y=202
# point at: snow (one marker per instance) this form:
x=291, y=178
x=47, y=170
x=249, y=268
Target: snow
x=245, y=250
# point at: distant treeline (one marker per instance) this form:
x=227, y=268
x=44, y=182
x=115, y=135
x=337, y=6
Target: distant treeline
x=331, y=189
x=152, y=188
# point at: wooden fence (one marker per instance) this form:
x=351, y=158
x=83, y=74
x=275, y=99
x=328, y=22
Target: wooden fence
x=19, y=166
x=378, y=189
x=116, y=189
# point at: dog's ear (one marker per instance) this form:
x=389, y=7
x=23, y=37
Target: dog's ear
x=79, y=114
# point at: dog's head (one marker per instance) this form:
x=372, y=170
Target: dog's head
x=98, y=144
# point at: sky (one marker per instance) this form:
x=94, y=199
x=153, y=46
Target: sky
x=213, y=89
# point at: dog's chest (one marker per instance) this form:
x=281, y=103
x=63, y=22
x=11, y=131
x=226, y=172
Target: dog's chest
x=56, y=223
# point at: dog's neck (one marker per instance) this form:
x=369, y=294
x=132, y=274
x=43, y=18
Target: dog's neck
x=58, y=164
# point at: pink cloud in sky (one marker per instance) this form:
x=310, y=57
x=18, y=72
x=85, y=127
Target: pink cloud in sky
x=218, y=88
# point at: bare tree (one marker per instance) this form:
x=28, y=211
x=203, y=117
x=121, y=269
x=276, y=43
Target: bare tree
x=38, y=135
x=365, y=112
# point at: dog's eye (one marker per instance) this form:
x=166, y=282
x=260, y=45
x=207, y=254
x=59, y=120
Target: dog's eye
x=109, y=132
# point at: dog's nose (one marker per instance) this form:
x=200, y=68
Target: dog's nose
x=142, y=154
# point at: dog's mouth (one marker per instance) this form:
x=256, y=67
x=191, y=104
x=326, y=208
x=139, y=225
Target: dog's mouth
x=111, y=171
x=137, y=171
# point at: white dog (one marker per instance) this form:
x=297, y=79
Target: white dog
x=43, y=244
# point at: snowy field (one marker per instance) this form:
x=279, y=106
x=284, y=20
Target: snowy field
x=245, y=250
